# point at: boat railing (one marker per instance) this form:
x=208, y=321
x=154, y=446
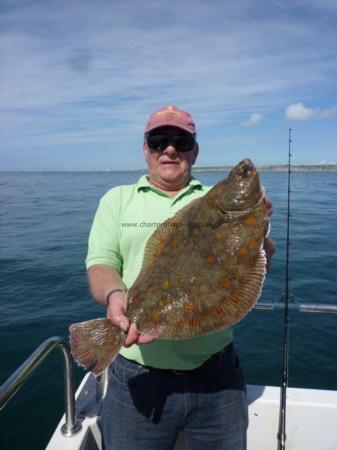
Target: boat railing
x=20, y=376
x=326, y=308
x=72, y=426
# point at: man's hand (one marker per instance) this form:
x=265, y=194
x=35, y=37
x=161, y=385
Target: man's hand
x=269, y=205
x=116, y=313
x=269, y=245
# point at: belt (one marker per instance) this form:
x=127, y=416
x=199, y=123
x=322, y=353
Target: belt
x=208, y=363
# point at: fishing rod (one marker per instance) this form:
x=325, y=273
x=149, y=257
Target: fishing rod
x=281, y=435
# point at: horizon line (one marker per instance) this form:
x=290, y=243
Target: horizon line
x=194, y=169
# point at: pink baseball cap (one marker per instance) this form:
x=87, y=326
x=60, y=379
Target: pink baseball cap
x=171, y=115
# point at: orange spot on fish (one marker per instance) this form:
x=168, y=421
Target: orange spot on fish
x=162, y=242
x=165, y=284
x=210, y=259
x=190, y=305
x=162, y=302
x=156, y=317
x=253, y=243
x=135, y=300
x=224, y=282
x=250, y=219
x=243, y=251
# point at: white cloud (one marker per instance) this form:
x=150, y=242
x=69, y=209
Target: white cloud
x=254, y=119
x=299, y=112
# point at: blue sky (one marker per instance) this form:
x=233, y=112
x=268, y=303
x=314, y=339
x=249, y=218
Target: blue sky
x=78, y=79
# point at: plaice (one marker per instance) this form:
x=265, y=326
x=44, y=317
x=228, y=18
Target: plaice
x=202, y=271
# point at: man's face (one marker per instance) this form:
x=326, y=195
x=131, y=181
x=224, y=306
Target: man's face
x=169, y=168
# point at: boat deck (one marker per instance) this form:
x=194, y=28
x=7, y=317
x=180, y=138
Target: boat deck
x=311, y=419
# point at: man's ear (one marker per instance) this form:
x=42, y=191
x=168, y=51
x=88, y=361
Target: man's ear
x=145, y=150
x=195, y=152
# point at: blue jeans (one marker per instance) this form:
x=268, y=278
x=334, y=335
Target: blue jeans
x=145, y=409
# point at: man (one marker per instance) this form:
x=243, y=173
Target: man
x=158, y=389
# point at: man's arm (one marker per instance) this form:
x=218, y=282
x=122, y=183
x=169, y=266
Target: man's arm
x=103, y=279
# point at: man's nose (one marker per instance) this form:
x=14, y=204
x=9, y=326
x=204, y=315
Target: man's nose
x=170, y=150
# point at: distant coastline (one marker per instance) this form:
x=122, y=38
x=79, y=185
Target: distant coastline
x=276, y=168
x=262, y=168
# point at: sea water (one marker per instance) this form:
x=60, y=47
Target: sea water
x=45, y=222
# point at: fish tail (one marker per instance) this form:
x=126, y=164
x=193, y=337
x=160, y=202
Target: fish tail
x=94, y=344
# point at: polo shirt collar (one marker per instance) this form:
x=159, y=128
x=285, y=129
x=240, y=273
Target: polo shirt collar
x=144, y=184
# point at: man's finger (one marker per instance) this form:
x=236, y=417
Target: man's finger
x=145, y=339
x=269, y=205
x=132, y=335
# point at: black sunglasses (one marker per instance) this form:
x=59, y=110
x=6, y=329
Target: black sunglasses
x=181, y=142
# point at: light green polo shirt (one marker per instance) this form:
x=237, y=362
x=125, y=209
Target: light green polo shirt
x=126, y=217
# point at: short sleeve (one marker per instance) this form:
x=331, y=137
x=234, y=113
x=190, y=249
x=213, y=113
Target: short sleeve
x=103, y=244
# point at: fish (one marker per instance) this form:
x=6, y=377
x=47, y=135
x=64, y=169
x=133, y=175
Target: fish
x=203, y=271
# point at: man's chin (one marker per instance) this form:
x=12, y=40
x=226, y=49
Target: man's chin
x=171, y=173
x=172, y=178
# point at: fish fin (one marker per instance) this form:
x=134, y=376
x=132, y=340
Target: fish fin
x=95, y=343
x=224, y=313
x=250, y=292
x=162, y=234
